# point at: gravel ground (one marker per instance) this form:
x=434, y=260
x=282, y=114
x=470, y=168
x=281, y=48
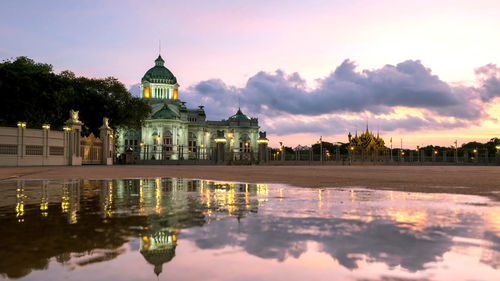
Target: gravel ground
x=477, y=180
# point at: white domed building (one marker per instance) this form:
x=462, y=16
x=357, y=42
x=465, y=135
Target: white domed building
x=173, y=131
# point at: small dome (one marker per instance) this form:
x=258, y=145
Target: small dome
x=239, y=116
x=159, y=73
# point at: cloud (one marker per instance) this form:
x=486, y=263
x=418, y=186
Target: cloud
x=135, y=90
x=282, y=237
x=489, y=75
x=345, y=90
x=337, y=125
x=366, y=93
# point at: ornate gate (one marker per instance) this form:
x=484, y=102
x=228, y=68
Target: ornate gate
x=91, y=150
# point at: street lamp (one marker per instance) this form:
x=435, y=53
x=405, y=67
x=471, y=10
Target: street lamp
x=141, y=145
x=498, y=151
x=320, y=142
x=455, y=147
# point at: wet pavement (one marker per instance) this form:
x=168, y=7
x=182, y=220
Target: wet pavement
x=178, y=229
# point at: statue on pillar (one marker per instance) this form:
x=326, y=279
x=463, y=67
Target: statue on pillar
x=105, y=123
x=73, y=118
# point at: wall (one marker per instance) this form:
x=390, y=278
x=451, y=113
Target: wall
x=32, y=147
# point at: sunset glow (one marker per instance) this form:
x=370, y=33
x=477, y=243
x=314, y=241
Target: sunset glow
x=422, y=71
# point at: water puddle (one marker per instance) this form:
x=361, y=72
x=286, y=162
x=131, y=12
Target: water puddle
x=178, y=229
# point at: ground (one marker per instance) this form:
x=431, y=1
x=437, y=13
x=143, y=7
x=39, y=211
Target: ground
x=476, y=180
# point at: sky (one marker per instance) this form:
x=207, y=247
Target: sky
x=419, y=72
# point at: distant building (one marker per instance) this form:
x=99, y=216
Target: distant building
x=174, y=131
x=366, y=145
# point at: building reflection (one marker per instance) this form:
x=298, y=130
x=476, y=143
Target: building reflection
x=158, y=247
x=171, y=205
x=78, y=223
x=105, y=214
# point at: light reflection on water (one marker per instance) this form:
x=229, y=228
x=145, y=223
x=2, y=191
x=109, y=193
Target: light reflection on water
x=180, y=229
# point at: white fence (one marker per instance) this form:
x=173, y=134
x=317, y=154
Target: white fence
x=32, y=147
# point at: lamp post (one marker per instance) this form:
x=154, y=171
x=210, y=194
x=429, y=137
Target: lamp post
x=351, y=151
x=141, y=145
x=159, y=146
x=320, y=142
x=391, y=149
x=498, y=152
x=282, y=151
x=454, y=148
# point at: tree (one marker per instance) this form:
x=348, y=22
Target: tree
x=33, y=93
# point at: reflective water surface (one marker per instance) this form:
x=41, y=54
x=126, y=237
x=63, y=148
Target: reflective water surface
x=178, y=229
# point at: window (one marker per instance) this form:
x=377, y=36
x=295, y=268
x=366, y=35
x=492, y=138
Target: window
x=192, y=146
x=167, y=143
x=146, y=92
x=192, y=142
x=244, y=147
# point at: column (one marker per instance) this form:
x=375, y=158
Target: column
x=74, y=128
x=107, y=142
x=263, y=142
x=45, y=142
x=21, y=129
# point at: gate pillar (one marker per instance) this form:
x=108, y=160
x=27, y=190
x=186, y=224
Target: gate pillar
x=73, y=128
x=107, y=142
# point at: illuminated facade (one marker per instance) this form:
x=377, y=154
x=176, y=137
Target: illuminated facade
x=173, y=131
x=366, y=145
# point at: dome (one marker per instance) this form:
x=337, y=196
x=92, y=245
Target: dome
x=159, y=73
x=239, y=116
x=158, y=257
